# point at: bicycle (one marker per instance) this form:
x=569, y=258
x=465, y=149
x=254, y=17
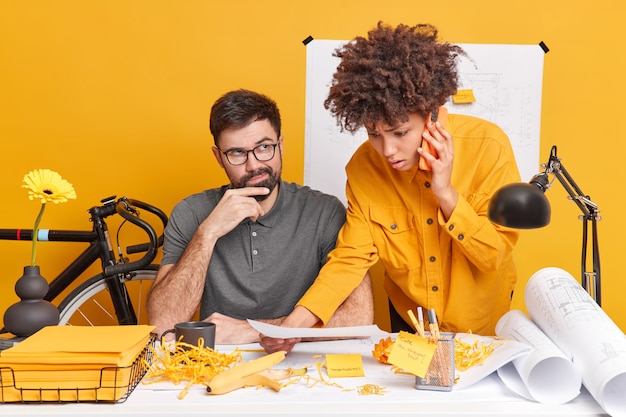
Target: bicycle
x=117, y=294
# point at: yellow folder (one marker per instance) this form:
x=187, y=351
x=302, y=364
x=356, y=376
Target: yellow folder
x=71, y=363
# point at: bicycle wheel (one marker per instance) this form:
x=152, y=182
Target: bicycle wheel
x=90, y=303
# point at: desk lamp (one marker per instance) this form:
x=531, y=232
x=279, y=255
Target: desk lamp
x=524, y=206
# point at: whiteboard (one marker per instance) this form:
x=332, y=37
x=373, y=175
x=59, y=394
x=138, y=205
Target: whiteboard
x=506, y=83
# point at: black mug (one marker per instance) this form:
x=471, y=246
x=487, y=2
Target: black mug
x=192, y=331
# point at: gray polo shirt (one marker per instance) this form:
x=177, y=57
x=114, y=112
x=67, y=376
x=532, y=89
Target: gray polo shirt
x=260, y=269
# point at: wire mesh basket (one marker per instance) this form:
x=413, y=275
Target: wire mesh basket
x=440, y=374
x=104, y=385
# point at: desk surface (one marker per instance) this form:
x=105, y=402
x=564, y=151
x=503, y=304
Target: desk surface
x=487, y=397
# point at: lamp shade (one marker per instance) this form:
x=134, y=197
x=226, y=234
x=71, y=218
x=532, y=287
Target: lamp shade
x=520, y=206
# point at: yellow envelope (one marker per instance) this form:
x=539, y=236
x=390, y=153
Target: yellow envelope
x=79, y=344
x=69, y=363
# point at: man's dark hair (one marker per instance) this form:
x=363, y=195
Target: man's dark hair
x=390, y=74
x=239, y=108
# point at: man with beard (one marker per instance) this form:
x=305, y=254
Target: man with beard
x=252, y=248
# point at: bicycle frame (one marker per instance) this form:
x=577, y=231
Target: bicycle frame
x=100, y=248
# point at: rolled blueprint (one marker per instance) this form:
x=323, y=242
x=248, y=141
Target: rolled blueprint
x=568, y=315
x=545, y=374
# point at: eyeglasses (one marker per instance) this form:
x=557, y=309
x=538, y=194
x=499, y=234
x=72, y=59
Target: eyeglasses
x=263, y=152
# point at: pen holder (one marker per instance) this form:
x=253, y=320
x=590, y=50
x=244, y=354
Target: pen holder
x=440, y=374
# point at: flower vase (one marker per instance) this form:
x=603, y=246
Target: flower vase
x=33, y=312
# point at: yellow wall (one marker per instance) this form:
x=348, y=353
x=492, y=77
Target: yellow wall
x=115, y=96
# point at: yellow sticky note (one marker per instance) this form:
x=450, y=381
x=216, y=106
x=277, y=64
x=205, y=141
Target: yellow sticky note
x=464, y=96
x=339, y=365
x=412, y=353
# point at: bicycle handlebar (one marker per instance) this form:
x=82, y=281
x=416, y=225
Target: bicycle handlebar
x=143, y=247
x=125, y=208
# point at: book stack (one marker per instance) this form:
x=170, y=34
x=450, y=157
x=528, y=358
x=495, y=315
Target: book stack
x=72, y=363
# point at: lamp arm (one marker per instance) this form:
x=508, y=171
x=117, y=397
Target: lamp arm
x=590, y=279
x=584, y=203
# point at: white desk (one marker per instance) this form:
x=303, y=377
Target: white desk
x=487, y=397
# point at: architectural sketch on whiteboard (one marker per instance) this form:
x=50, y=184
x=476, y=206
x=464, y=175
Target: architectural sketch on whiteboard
x=505, y=81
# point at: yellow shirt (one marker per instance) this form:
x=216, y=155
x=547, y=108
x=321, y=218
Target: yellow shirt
x=462, y=267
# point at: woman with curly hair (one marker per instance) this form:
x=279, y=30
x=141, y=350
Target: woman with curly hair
x=417, y=190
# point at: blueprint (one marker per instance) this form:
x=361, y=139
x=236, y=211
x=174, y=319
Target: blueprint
x=567, y=314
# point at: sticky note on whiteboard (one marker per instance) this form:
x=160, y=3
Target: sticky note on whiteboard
x=464, y=96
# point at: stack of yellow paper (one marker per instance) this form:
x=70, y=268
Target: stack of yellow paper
x=72, y=363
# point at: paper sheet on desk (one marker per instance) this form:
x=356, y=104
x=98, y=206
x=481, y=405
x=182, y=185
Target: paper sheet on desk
x=279, y=332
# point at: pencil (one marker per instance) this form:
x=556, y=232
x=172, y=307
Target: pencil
x=433, y=325
x=441, y=365
x=416, y=324
x=420, y=319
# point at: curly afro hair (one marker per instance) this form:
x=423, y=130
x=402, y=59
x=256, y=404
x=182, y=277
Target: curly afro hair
x=391, y=74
